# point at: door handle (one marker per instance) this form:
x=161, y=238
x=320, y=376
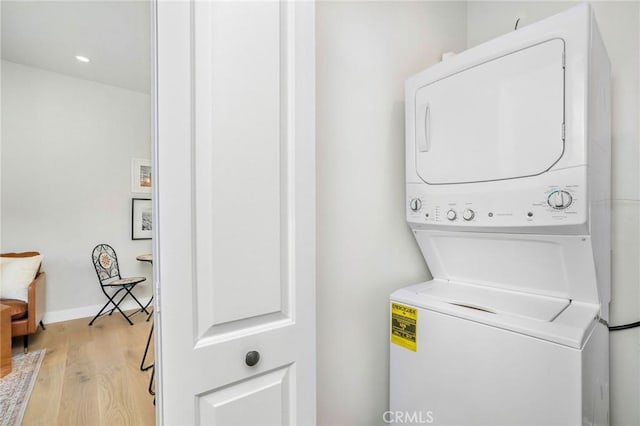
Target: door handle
x=252, y=358
x=423, y=133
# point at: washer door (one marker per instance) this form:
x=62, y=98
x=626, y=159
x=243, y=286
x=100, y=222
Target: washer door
x=501, y=119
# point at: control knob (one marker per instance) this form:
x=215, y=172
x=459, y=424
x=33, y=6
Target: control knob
x=468, y=214
x=415, y=204
x=451, y=215
x=559, y=200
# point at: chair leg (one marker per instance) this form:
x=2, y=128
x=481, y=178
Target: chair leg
x=149, y=302
x=26, y=343
x=111, y=301
x=42, y=325
x=99, y=313
x=128, y=292
x=119, y=301
x=151, y=310
x=142, y=308
x=123, y=314
x=153, y=373
x=116, y=305
x=146, y=350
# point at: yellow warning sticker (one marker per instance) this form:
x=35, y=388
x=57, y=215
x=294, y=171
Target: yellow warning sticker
x=404, y=326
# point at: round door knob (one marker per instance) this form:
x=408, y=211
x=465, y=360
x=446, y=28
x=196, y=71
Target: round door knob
x=451, y=215
x=252, y=358
x=468, y=214
x=415, y=204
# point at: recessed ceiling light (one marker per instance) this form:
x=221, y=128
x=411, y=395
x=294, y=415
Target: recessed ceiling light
x=82, y=58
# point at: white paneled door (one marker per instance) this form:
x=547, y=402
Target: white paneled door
x=235, y=212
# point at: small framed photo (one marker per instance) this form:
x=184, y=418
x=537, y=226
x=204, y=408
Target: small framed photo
x=141, y=226
x=141, y=176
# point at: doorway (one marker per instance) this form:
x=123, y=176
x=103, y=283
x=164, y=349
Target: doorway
x=76, y=172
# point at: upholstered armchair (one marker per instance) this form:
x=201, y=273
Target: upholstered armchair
x=27, y=304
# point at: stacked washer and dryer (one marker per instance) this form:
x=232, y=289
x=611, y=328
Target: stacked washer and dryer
x=508, y=196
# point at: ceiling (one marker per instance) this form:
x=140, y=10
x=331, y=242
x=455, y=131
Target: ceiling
x=114, y=35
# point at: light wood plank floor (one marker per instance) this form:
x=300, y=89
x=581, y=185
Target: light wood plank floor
x=91, y=375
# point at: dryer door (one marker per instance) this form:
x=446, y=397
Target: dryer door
x=501, y=119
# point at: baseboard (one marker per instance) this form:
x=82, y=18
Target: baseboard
x=86, y=311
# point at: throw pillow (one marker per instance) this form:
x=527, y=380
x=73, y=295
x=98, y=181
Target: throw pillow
x=16, y=273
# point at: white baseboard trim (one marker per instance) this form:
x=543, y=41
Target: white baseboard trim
x=86, y=311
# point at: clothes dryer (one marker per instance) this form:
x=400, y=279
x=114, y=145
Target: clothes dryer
x=508, y=196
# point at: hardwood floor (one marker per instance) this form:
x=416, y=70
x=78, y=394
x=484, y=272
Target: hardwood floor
x=91, y=375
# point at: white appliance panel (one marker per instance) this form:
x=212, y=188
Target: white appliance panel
x=468, y=373
x=501, y=119
x=517, y=205
x=599, y=155
x=555, y=266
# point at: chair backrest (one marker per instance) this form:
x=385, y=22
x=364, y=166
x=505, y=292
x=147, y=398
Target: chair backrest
x=106, y=262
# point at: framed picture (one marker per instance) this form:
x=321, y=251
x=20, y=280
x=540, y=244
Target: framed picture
x=141, y=225
x=141, y=175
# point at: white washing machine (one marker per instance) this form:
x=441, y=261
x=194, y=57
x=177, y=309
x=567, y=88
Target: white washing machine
x=508, y=195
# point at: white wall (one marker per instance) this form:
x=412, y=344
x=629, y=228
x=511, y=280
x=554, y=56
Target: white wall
x=619, y=26
x=365, y=51
x=67, y=146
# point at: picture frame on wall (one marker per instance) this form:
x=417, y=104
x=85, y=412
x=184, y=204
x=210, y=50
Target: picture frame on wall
x=141, y=219
x=141, y=178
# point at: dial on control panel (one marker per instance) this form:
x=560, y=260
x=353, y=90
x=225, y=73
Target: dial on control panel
x=451, y=215
x=468, y=214
x=415, y=204
x=560, y=200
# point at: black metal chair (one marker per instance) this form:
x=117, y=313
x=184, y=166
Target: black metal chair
x=106, y=263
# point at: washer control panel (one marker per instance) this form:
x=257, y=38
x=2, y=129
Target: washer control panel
x=494, y=205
